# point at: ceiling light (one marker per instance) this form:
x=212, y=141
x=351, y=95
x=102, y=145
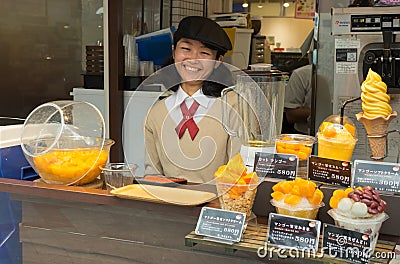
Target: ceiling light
x=260, y=5
x=286, y=4
x=245, y=4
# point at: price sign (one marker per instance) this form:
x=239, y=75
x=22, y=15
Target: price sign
x=293, y=232
x=346, y=244
x=336, y=172
x=227, y=226
x=281, y=166
x=384, y=176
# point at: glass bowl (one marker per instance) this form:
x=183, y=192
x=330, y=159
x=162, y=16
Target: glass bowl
x=64, y=142
x=75, y=160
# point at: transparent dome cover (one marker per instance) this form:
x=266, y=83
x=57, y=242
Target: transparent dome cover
x=335, y=127
x=64, y=141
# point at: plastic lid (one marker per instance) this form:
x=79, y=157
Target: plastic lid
x=333, y=129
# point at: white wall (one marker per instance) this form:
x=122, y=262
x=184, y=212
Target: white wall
x=280, y=22
x=290, y=32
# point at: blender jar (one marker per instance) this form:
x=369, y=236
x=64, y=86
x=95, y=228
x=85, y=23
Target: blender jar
x=64, y=141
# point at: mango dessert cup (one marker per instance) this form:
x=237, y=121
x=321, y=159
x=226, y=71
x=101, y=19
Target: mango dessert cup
x=237, y=197
x=299, y=145
x=309, y=212
x=299, y=198
x=236, y=188
x=336, y=140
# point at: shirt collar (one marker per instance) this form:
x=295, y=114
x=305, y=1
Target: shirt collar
x=199, y=96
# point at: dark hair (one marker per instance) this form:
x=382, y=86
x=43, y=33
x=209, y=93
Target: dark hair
x=212, y=88
x=219, y=51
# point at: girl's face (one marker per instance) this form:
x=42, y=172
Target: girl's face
x=194, y=63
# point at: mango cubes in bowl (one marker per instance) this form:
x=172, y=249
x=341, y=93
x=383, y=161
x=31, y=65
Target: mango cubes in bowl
x=72, y=165
x=299, y=198
x=297, y=144
x=236, y=188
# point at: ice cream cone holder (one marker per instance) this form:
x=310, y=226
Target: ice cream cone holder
x=382, y=138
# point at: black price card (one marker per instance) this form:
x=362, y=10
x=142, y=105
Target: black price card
x=384, y=176
x=220, y=224
x=336, y=172
x=346, y=244
x=280, y=166
x=293, y=232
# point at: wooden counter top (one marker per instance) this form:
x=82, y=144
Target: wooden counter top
x=90, y=196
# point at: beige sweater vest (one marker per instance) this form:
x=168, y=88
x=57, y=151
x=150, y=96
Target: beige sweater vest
x=195, y=160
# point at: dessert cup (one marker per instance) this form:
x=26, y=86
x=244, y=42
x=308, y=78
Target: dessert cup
x=236, y=197
x=309, y=212
x=368, y=225
x=376, y=130
x=297, y=144
x=337, y=137
x=332, y=149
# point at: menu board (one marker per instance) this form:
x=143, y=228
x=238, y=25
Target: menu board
x=304, y=9
x=293, y=232
x=384, y=176
x=336, y=172
x=220, y=224
x=280, y=166
x=346, y=244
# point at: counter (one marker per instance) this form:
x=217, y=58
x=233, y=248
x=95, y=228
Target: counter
x=64, y=224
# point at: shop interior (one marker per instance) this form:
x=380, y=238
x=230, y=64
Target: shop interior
x=105, y=53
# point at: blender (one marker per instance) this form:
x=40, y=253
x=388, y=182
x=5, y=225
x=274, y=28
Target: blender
x=257, y=110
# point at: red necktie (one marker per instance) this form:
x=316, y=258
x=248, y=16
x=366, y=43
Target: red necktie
x=187, y=120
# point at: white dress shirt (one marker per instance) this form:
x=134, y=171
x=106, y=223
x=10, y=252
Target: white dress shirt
x=174, y=101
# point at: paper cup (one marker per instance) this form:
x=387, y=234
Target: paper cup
x=369, y=226
x=235, y=197
x=308, y=212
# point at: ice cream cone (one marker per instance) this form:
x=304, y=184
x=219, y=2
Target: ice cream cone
x=376, y=130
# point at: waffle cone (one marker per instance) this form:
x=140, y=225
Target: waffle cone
x=376, y=126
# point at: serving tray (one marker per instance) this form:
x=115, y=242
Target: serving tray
x=162, y=194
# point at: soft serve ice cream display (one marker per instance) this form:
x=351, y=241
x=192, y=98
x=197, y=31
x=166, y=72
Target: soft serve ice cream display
x=375, y=100
x=377, y=113
x=299, y=198
x=336, y=138
x=360, y=209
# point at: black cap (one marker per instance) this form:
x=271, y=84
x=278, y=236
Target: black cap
x=204, y=30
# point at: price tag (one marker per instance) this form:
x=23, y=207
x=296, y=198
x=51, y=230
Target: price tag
x=280, y=166
x=336, y=172
x=384, y=176
x=293, y=232
x=346, y=244
x=225, y=226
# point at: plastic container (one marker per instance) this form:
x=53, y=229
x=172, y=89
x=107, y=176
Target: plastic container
x=64, y=141
x=297, y=144
x=336, y=140
x=369, y=226
x=118, y=175
x=302, y=212
x=236, y=197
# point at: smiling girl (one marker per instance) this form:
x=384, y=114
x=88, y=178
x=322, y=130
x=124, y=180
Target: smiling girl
x=184, y=135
